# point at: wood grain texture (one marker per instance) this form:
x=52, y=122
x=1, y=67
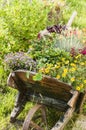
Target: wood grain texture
x=73, y=100
x=48, y=86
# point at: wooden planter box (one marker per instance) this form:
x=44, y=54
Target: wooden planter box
x=47, y=92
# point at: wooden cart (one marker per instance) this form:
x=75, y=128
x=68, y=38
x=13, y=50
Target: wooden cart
x=47, y=92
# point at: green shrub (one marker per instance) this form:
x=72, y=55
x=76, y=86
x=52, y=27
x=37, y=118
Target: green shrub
x=22, y=21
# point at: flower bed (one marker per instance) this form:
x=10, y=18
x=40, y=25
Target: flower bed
x=61, y=57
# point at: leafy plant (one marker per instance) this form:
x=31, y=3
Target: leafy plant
x=23, y=20
x=57, y=62
x=68, y=41
x=37, y=77
x=19, y=60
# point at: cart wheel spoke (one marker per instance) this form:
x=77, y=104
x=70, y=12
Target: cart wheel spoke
x=35, y=126
x=29, y=121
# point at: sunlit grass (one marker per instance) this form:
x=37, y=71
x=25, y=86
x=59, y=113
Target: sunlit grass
x=80, y=7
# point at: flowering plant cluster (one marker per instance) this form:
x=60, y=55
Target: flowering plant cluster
x=71, y=71
x=65, y=62
x=20, y=60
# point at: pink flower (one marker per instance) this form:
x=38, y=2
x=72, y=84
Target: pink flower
x=83, y=51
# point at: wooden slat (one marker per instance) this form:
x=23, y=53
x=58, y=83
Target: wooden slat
x=54, y=103
x=73, y=100
x=48, y=86
x=64, y=120
x=81, y=100
x=53, y=82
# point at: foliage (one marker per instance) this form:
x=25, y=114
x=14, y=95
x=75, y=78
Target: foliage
x=65, y=62
x=21, y=22
x=3, y=77
x=80, y=7
x=20, y=60
x=69, y=40
x=37, y=77
x=58, y=61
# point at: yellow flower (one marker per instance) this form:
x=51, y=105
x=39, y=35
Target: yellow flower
x=78, y=56
x=65, y=70
x=47, y=70
x=42, y=70
x=81, y=86
x=78, y=88
x=85, y=81
x=57, y=66
x=64, y=75
x=63, y=59
x=82, y=63
x=73, y=69
x=67, y=62
x=72, y=79
x=30, y=47
x=58, y=76
x=75, y=61
x=73, y=65
x=49, y=65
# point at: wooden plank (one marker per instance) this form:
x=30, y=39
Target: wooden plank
x=67, y=116
x=50, y=81
x=73, y=100
x=38, y=96
x=70, y=21
x=81, y=100
x=64, y=120
x=47, y=86
x=54, y=103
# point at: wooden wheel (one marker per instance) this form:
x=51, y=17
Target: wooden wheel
x=31, y=119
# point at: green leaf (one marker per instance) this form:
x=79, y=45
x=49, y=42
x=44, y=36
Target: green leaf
x=27, y=74
x=37, y=77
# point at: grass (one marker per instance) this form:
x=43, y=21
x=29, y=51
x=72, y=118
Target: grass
x=7, y=99
x=80, y=7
